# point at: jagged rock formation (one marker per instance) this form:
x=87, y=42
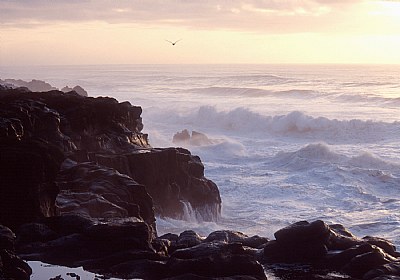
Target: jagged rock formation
x=166, y=173
x=100, y=130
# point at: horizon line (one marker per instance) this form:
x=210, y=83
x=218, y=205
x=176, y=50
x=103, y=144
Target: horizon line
x=200, y=64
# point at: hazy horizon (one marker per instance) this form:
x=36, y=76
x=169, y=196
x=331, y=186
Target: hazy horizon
x=39, y=32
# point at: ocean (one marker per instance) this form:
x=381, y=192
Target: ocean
x=286, y=142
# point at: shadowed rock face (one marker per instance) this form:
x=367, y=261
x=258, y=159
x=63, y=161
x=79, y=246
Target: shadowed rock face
x=28, y=169
x=100, y=192
x=38, y=130
x=172, y=176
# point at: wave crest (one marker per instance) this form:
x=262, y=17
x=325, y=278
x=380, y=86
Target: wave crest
x=293, y=124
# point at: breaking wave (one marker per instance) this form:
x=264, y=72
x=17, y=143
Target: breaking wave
x=318, y=154
x=294, y=124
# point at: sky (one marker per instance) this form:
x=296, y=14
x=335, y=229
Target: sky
x=71, y=32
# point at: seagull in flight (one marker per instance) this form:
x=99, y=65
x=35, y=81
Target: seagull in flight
x=173, y=43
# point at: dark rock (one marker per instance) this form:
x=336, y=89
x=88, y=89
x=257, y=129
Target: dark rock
x=11, y=266
x=78, y=89
x=68, y=224
x=99, y=192
x=103, y=264
x=341, y=238
x=35, y=232
x=7, y=238
x=93, y=245
x=181, y=137
x=104, y=131
x=339, y=260
x=192, y=276
x=382, y=243
x=214, y=259
x=226, y=236
x=383, y=271
x=196, y=139
x=169, y=236
x=301, y=242
x=162, y=246
x=217, y=266
x=387, y=277
x=142, y=269
x=255, y=241
x=209, y=248
x=309, y=252
x=109, y=238
x=174, y=177
x=92, y=124
x=166, y=244
x=361, y=264
x=28, y=169
x=236, y=236
x=303, y=231
x=14, y=267
x=187, y=239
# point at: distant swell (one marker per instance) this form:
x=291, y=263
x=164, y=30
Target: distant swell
x=316, y=155
x=246, y=92
x=295, y=124
x=250, y=91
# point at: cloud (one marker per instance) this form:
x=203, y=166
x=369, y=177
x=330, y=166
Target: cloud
x=265, y=15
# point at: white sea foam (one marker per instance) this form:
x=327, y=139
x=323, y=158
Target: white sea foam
x=295, y=124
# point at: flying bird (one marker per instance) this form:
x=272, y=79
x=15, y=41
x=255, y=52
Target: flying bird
x=173, y=43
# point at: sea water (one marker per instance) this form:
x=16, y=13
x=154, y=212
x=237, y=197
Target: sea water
x=287, y=142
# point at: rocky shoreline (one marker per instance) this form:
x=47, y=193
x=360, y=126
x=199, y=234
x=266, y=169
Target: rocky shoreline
x=80, y=185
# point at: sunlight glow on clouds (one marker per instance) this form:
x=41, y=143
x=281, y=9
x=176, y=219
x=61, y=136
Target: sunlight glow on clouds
x=229, y=31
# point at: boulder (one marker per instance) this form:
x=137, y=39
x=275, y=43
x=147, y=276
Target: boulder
x=230, y=236
x=362, y=263
x=301, y=242
x=187, y=239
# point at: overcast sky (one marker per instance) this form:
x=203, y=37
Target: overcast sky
x=247, y=31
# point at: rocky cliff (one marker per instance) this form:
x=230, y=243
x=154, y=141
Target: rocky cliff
x=103, y=150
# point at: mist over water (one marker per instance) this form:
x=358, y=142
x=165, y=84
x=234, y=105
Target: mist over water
x=288, y=143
